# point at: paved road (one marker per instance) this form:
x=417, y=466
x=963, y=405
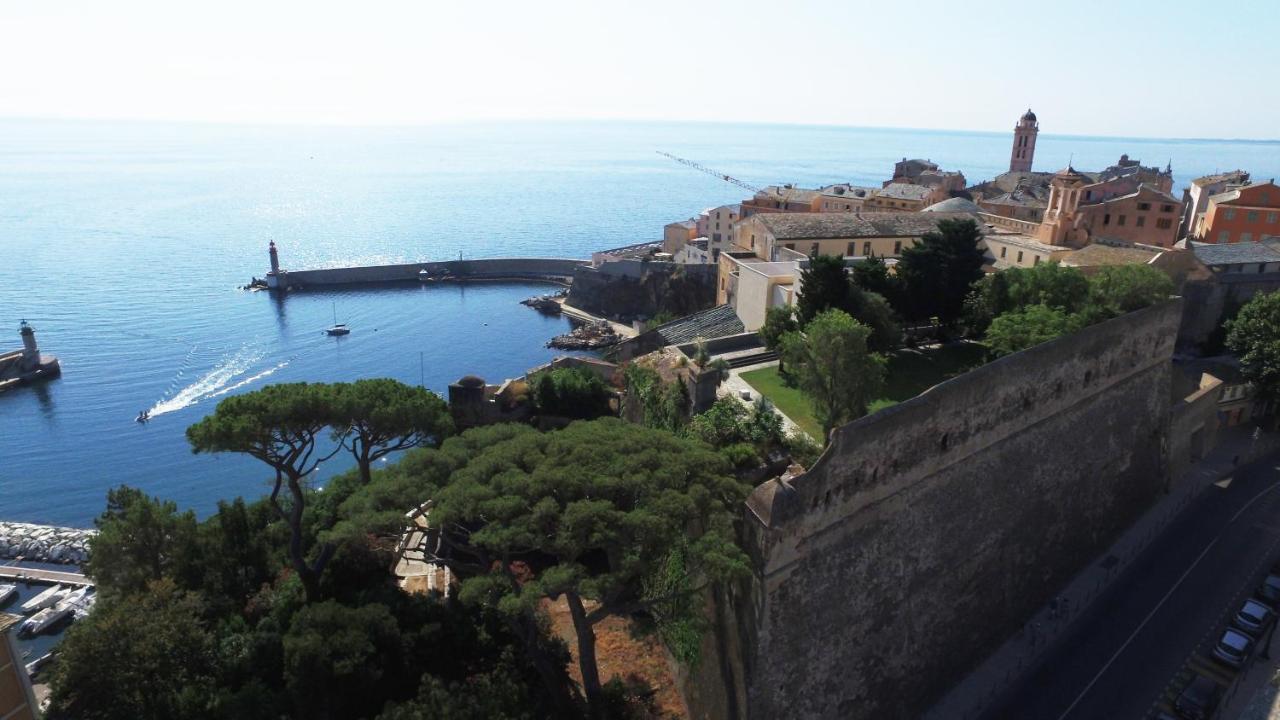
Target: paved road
x=1117, y=658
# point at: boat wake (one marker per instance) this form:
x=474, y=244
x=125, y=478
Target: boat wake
x=227, y=376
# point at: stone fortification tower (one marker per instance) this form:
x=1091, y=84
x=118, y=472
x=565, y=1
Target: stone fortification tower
x=1024, y=142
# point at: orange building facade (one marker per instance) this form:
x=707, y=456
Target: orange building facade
x=1246, y=214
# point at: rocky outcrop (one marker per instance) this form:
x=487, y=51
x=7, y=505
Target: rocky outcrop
x=588, y=336
x=44, y=543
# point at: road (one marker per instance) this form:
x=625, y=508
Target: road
x=1116, y=659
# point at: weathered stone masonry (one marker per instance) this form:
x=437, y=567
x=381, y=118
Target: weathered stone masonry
x=929, y=531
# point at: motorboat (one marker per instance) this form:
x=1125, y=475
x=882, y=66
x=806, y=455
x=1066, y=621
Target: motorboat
x=337, y=328
x=8, y=591
x=143, y=416
x=45, y=599
x=51, y=616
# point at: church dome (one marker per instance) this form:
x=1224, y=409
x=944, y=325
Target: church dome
x=1029, y=116
x=955, y=204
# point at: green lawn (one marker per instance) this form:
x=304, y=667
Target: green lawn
x=911, y=372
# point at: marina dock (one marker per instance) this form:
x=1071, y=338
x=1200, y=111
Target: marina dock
x=16, y=573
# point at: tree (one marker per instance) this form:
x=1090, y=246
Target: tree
x=823, y=285
x=727, y=422
x=337, y=657
x=140, y=539
x=872, y=275
x=778, y=321
x=147, y=656
x=375, y=418
x=279, y=425
x=871, y=309
x=1118, y=289
x=832, y=365
x=1049, y=284
x=937, y=273
x=571, y=392
x=1254, y=336
x=586, y=513
x=1020, y=329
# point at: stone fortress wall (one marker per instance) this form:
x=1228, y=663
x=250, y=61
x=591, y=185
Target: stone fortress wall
x=928, y=532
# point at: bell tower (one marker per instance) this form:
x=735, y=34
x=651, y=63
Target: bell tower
x=1024, y=142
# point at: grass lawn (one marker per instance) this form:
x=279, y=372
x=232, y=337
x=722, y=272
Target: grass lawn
x=911, y=372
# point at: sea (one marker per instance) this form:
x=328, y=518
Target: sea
x=125, y=244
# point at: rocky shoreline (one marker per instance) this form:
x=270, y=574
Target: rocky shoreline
x=588, y=336
x=43, y=543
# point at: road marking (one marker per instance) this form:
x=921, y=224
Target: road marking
x=1163, y=600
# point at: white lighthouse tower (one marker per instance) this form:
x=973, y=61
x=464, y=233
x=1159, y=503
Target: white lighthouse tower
x=30, y=351
x=275, y=277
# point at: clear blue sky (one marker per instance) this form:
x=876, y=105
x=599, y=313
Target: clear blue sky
x=1175, y=68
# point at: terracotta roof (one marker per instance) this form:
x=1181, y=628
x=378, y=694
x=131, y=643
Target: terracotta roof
x=801, y=226
x=903, y=191
x=1097, y=255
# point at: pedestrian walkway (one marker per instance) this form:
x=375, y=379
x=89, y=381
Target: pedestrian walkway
x=972, y=695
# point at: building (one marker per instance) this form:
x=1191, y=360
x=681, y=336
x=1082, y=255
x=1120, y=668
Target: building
x=902, y=196
x=1024, y=142
x=782, y=198
x=719, y=229
x=845, y=197
x=1235, y=273
x=1245, y=214
x=17, y=701
x=1006, y=250
x=764, y=269
x=1115, y=210
x=1195, y=198
x=675, y=235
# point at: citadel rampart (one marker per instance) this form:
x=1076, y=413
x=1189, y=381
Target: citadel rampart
x=550, y=269
x=928, y=532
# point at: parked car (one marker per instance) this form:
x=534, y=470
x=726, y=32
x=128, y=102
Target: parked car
x=1233, y=648
x=1252, y=618
x=1269, y=590
x=1198, y=699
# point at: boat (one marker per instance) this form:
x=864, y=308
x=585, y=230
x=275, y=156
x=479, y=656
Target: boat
x=44, y=599
x=143, y=416
x=8, y=591
x=51, y=616
x=337, y=328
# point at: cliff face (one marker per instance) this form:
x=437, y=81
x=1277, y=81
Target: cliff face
x=630, y=289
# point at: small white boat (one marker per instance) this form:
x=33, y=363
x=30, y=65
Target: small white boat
x=51, y=616
x=45, y=599
x=8, y=591
x=337, y=328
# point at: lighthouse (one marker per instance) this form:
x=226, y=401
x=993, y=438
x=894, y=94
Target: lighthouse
x=273, y=277
x=30, y=351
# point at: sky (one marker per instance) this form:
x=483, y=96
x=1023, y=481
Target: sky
x=1173, y=68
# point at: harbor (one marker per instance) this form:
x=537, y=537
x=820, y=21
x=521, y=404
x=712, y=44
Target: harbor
x=27, y=365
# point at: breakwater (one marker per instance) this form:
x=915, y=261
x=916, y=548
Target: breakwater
x=44, y=543
x=559, y=270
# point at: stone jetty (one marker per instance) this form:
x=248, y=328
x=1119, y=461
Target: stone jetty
x=44, y=543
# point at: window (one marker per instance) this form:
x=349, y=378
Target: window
x=813, y=249
x=753, y=239
x=1164, y=223
x=897, y=247
x=1144, y=206
x=850, y=251
x=1252, y=216
x=1088, y=194
x=1019, y=257
x=1271, y=218
x=1262, y=267
x=1224, y=236
x=715, y=237
x=1246, y=237
x=1166, y=208
x=1004, y=251
x=789, y=246
x=1106, y=219
x=866, y=248
x=1231, y=214
x=1035, y=260
x=1141, y=221
x=1120, y=221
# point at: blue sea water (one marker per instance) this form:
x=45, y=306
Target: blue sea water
x=124, y=244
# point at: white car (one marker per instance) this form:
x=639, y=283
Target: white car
x=1233, y=648
x=1253, y=617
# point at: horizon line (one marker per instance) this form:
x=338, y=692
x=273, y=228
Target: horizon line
x=601, y=120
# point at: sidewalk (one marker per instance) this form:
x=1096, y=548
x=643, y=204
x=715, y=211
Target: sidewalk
x=971, y=696
x=734, y=385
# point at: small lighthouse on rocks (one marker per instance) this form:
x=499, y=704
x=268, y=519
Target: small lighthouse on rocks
x=275, y=277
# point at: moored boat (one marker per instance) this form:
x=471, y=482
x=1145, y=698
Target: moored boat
x=8, y=591
x=45, y=599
